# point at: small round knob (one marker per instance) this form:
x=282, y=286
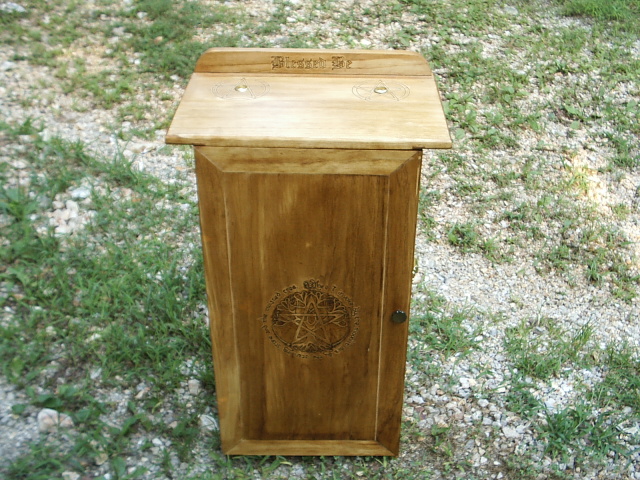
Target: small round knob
x=398, y=316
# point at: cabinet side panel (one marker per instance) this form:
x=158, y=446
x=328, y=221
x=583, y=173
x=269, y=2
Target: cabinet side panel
x=401, y=229
x=213, y=225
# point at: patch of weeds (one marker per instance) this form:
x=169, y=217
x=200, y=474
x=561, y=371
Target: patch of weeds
x=427, y=200
x=621, y=211
x=580, y=428
x=442, y=443
x=541, y=348
x=166, y=38
x=185, y=434
x=627, y=155
x=276, y=20
x=447, y=331
x=10, y=20
x=43, y=461
x=519, y=467
x=466, y=237
x=600, y=248
x=121, y=286
x=621, y=384
x=520, y=398
x=45, y=29
x=106, y=88
x=626, y=13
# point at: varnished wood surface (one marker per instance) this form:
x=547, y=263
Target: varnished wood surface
x=305, y=161
x=317, y=447
x=252, y=106
x=264, y=231
x=311, y=61
x=307, y=165
x=311, y=112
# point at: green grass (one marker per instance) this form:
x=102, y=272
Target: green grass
x=115, y=297
x=166, y=40
x=624, y=13
x=541, y=349
x=116, y=305
x=590, y=429
x=621, y=384
x=445, y=330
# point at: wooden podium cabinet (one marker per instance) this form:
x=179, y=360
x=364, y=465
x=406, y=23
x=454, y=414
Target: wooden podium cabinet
x=308, y=169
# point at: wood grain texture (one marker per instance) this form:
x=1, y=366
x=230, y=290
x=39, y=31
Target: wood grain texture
x=215, y=245
x=318, y=447
x=311, y=112
x=308, y=166
x=266, y=233
x=305, y=161
x=311, y=61
x=402, y=193
x=397, y=107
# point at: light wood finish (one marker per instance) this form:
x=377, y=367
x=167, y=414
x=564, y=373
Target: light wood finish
x=311, y=108
x=264, y=231
x=316, y=447
x=308, y=167
x=311, y=61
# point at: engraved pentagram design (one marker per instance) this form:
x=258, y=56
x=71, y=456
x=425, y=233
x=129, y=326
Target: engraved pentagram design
x=241, y=89
x=381, y=91
x=312, y=321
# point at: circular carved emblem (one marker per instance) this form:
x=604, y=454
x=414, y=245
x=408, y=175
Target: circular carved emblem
x=381, y=91
x=312, y=321
x=242, y=89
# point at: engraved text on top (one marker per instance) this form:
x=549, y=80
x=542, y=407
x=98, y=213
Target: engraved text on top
x=337, y=62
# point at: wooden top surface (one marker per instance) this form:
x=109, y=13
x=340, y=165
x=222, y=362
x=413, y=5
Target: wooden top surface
x=294, y=98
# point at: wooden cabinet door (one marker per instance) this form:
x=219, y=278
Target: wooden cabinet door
x=307, y=255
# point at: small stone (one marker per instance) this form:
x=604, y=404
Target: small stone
x=19, y=164
x=511, y=10
x=70, y=476
x=467, y=382
x=510, y=432
x=10, y=7
x=101, y=458
x=142, y=393
x=73, y=208
x=194, y=387
x=49, y=420
x=138, y=148
x=80, y=193
x=207, y=422
x=93, y=337
x=157, y=442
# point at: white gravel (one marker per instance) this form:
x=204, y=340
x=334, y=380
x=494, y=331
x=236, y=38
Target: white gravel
x=468, y=396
